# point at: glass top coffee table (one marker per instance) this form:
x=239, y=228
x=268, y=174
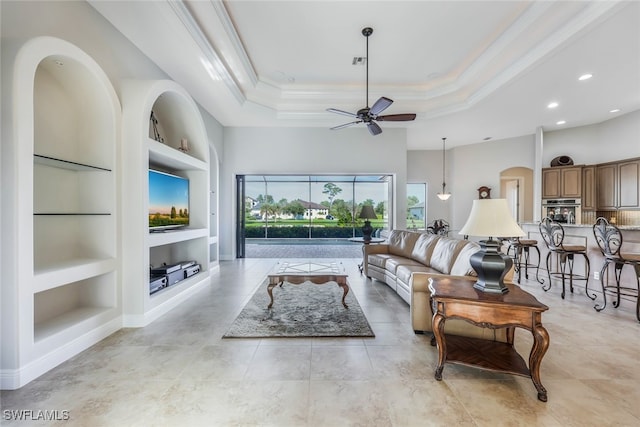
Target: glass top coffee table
x=309, y=271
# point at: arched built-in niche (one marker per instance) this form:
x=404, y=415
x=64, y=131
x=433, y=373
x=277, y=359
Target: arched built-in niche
x=516, y=185
x=63, y=269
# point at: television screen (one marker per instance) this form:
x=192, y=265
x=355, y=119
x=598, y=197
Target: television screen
x=168, y=201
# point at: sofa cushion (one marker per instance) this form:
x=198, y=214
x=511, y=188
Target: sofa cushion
x=461, y=266
x=404, y=272
x=445, y=253
x=401, y=242
x=423, y=248
x=378, y=260
x=395, y=261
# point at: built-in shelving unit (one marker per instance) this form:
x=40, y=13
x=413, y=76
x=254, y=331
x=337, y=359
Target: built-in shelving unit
x=67, y=266
x=160, y=145
x=214, y=250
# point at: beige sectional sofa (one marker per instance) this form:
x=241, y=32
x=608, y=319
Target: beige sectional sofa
x=407, y=260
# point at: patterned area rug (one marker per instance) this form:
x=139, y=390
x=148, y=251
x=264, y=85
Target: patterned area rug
x=305, y=310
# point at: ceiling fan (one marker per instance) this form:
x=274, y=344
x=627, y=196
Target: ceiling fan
x=371, y=115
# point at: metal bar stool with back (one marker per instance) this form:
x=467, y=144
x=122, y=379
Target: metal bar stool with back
x=609, y=239
x=553, y=235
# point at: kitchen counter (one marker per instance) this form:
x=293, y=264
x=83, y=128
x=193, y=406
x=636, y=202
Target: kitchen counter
x=582, y=234
x=590, y=226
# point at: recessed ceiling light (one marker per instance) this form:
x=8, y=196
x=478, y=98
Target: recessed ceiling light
x=585, y=77
x=615, y=110
x=552, y=105
x=561, y=122
x=487, y=138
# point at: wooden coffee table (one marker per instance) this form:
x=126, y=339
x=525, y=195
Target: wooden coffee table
x=314, y=272
x=456, y=298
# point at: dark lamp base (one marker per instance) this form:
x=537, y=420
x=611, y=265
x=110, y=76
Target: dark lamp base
x=491, y=266
x=366, y=231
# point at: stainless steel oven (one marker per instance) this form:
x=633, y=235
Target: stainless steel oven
x=565, y=211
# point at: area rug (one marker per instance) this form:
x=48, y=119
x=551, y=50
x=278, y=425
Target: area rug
x=304, y=310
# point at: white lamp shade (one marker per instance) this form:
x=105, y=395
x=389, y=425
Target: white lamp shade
x=491, y=218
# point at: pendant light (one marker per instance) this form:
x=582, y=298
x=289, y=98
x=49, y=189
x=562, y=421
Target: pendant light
x=444, y=195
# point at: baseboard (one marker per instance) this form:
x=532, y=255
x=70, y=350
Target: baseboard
x=142, y=320
x=12, y=379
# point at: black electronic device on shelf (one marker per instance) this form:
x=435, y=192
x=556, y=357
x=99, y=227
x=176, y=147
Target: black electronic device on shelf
x=170, y=274
x=157, y=283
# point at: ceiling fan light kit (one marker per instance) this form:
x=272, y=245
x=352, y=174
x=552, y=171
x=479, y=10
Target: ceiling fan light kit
x=367, y=115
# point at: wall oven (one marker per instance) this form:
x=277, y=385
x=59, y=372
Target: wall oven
x=565, y=211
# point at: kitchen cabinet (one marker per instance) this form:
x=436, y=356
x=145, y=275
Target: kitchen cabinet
x=629, y=184
x=589, y=188
x=618, y=185
x=562, y=182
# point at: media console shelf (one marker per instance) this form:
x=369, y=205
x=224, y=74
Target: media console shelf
x=158, y=145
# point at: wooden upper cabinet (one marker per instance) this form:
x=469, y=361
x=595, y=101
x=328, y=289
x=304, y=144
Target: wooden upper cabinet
x=562, y=182
x=550, y=183
x=589, y=188
x=618, y=185
x=629, y=184
x=607, y=187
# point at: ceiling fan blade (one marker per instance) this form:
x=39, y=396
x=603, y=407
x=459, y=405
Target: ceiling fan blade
x=344, y=113
x=374, y=129
x=397, y=117
x=380, y=105
x=346, y=125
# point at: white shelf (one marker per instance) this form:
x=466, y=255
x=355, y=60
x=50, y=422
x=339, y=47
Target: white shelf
x=58, y=274
x=176, y=236
x=67, y=164
x=91, y=316
x=169, y=291
x=163, y=155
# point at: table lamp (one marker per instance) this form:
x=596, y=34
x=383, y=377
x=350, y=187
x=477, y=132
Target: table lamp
x=491, y=218
x=367, y=213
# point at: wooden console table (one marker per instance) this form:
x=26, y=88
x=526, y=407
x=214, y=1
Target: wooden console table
x=456, y=298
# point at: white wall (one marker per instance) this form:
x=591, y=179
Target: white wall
x=615, y=139
x=480, y=164
x=308, y=151
x=468, y=168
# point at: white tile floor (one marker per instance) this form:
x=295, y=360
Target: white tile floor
x=178, y=371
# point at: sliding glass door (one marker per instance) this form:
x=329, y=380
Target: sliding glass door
x=308, y=206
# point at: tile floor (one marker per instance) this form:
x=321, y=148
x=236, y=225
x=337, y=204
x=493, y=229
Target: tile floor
x=179, y=372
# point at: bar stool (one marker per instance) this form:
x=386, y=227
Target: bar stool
x=553, y=235
x=521, y=248
x=609, y=239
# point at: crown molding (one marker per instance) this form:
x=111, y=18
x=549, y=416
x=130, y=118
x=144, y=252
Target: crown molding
x=208, y=51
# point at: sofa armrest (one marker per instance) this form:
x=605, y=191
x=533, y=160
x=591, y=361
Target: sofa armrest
x=370, y=249
x=382, y=248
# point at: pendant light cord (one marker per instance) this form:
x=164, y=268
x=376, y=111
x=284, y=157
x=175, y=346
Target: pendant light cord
x=443, y=165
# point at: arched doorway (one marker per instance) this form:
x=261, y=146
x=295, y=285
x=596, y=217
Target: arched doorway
x=516, y=185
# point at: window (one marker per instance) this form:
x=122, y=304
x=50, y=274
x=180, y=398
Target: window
x=416, y=206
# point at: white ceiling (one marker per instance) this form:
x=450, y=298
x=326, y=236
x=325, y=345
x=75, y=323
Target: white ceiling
x=468, y=69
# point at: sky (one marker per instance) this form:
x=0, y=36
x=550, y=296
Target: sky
x=166, y=191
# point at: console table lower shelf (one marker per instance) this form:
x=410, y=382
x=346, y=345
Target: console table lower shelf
x=456, y=298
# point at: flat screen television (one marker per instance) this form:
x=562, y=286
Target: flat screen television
x=168, y=201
